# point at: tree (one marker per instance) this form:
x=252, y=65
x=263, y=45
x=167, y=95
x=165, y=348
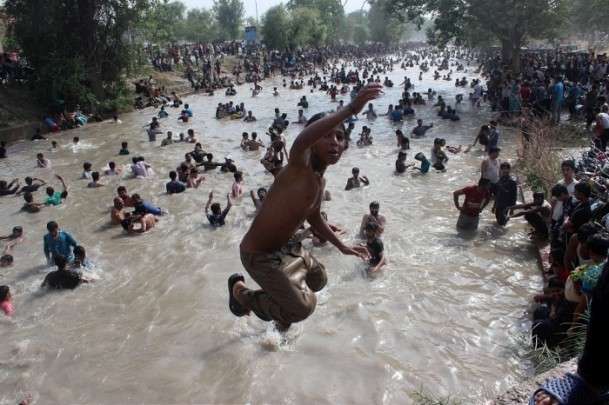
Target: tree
x=164, y=20
x=331, y=12
x=229, y=14
x=383, y=28
x=508, y=21
x=200, y=26
x=305, y=28
x=275, y=25
x=79, y=50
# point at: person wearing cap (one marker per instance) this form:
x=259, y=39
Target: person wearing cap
x=355, y=181
x=425, y=163
x=477, y=197
x=375, y=248
x=229, y=165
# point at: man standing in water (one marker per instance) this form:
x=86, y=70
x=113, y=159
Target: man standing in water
x=476, y=198
x=271, y=250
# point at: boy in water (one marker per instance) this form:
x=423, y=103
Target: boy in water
x=218, y=215
x=356, y=181
x=270, y=251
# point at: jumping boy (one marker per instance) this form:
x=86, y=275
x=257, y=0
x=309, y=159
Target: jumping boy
x=271, y=251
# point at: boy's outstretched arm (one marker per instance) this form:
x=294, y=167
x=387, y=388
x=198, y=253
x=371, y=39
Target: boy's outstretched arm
x=321, y=226
x=312, y=133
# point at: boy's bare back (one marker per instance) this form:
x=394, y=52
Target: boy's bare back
x=297, y=192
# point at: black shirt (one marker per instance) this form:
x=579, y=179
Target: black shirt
x=175, y=187
x=60, y=279
x=374, y=249
x=30, y=189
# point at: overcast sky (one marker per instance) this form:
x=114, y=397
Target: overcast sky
x=263, y=5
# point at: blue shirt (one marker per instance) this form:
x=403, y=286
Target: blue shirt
x=59, y=246
x=187, y=111
x=397, y=115
x=559, y=92
x=146, y=208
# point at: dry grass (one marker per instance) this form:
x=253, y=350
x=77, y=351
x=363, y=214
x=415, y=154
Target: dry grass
x=540, y=158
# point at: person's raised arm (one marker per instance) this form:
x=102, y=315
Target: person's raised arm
x=315, y=131
x=364, y=180
x=229, y=202
x=208, y=205
x=63, y=183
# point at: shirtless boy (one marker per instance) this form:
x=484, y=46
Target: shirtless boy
x=374, y=217
x=356, y=181
x=272, y=254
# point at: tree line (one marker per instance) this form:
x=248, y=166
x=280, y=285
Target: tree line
x=82, y=49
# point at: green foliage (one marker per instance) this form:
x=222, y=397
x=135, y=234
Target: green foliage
x=508, y=21
x=78, y=47
x=421, y=397
x=66, y=79
x=164, y=20
x=275, y=24
x=200, y=26
x=229, y=14
x=383, y=27
x=306, y=29
x=331, y=14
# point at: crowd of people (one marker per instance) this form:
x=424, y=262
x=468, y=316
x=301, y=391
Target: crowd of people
x=272, y=251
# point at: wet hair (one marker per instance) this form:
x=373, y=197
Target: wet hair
x=87, y=166
x=262, y=189
x=95, y=176
x=112, y=165
x=375, y=204
x=18, y=229
x=28, y=180
x=173, y=175
x=216, y=209
x=8, y=259
x=52, y=225
x=61, y=262
x=121, y=189
x=237, y=175
x=371, y=226
x=598, y=244
x=4, y=290
x=79, y=251
x=556, y=282
x=355, y=170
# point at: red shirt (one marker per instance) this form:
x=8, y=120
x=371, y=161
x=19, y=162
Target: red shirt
x=474, y=199
x=525, y=93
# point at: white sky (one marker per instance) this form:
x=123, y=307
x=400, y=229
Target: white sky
x=263, y=5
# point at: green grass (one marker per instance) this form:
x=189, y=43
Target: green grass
x=422, y=397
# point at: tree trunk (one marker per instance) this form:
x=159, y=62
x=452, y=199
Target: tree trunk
x=507, y=50
x=516, y=55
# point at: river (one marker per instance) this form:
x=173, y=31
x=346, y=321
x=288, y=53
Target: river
x=154, y=326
